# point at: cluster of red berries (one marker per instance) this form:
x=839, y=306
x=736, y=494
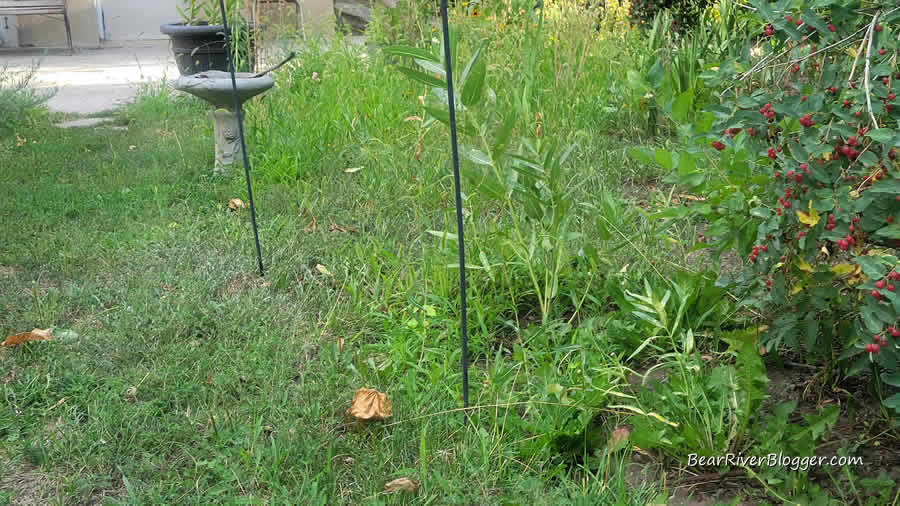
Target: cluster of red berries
x=755, y=252
x=769, y=30
x=767, y=111
x=880, y=285
x=877, y=343
x=806, y=120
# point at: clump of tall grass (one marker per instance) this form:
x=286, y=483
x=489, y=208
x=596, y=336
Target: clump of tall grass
x=18, y=99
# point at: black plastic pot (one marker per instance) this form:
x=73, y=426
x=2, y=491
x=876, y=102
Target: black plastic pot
x=201, y=47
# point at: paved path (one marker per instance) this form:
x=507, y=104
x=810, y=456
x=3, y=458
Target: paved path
x=96, y=80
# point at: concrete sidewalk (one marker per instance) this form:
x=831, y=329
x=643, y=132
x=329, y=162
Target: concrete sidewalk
x=96, y=80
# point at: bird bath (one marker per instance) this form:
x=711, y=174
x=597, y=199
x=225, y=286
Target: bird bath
x=215, y=87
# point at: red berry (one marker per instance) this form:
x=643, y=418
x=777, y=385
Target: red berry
x=718, y=145
x=798, y=22
x=876, y=294
x=885, y=80
x=890, y=219
x=876, y=339
x=764, y=247
x=879, y=284
x=831, y=28
x=868, y=347
x=894, y=332
x=891, y=96
x=894, y=275
x=881, y=51
x=875, y=348
x=878, y=27
x=788, y=18
x=851, y=228
x=803, y=98
x=890, y=288
x=883, y=342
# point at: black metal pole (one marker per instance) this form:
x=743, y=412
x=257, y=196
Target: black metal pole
x=445, y=25
x=240, y=116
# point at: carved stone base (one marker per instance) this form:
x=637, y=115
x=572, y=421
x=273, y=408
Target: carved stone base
x=228, y=143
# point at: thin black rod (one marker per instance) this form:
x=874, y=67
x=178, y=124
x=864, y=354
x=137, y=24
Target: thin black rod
x=445, y=25
x=240, y=116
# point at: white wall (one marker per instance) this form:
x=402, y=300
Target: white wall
x=140, y=19
x=49, y=31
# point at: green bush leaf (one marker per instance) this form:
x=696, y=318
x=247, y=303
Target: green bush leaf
x=422, y=77
x=412, y=52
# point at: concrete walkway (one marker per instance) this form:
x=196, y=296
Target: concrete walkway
x=96, y=80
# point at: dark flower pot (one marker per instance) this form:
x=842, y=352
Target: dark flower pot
x=198, y=48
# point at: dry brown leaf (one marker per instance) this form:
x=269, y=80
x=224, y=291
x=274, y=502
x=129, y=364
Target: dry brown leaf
x=340, y=343
x=695, y=198
x=412, y=118
x=334, y=227
x=167, y=288
x=34, y=335
x=20, y=141
x=619, y=437
x=370, y=404
x=130, y=394
x=323, y=270
x=400, y=485
x=311, y=227
x=235, y=204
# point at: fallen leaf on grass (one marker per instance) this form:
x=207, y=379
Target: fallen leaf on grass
x=311, y=227
x=132, y=148
x=235, y=204
x=340, y=228
x=323, y=270
x=618, y=439
x=34, y=335
x=20, y=141
x=340, y=344
x=400, y=485
x=352, y=170
x=130, y=394
x=370, y=404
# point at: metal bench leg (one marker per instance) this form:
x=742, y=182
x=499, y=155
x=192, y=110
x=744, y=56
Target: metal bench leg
x=68, y=33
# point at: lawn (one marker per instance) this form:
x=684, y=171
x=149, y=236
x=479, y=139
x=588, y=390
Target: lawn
x=610, y=342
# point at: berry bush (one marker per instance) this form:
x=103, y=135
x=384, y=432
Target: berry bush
x=806, y=181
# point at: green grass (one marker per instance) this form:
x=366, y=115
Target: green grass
x=178, y=375
x=131, y=254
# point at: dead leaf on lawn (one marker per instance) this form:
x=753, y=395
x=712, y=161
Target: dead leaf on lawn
x=20, y=141
x=323, y=270
x=235, y=204
x=400, y=485
x=340, y=344
x=354, y=169
x=167, y=288
x=412, y=118
x=132, y=148
x=34, y=335
x=618, y=439
x=311, y=227
x=370, y=404
x=334, y=227
x=130, y=394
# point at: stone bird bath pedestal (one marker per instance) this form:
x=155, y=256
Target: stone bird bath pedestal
x=215, y=87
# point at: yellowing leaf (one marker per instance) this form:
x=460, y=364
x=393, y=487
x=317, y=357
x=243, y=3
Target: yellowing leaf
x=797, y=288
x=323, y=270
x=400, y=485
x=810, y=218
x=370, y=404
x=802, y=265
x=235, y=204
x=34, y=335
x=352, y=170
x=843, y=269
